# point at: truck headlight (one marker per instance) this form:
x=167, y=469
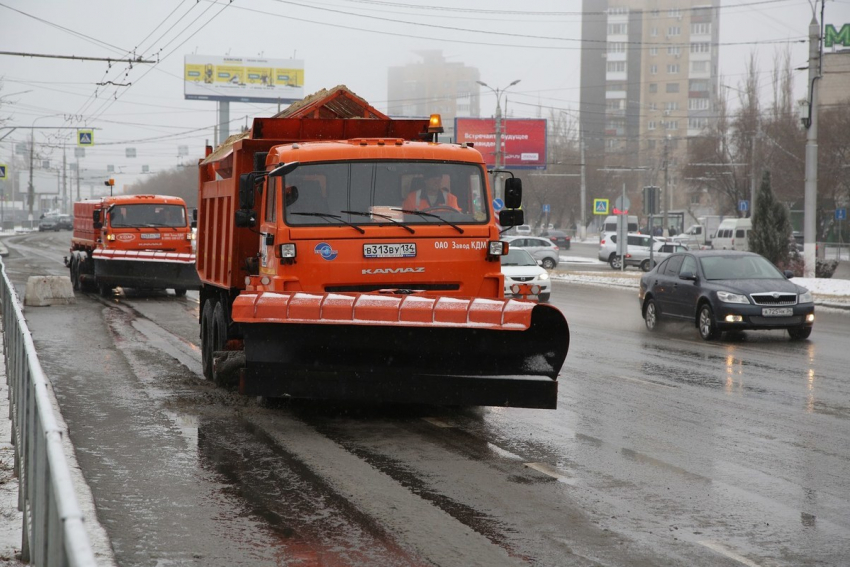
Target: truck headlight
x=727, y=297
x=110, y=237
x=805, y=297
x=497, y=248
x=287, y=250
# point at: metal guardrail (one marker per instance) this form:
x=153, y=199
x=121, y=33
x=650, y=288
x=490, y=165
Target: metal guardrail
x=53, y=525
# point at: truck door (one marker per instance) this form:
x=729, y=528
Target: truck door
x=268, y=226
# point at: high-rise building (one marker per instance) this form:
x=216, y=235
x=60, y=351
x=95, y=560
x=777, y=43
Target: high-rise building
x=649, y=81
x=431, y=86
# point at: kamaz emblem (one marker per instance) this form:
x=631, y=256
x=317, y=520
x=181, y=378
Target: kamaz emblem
x=375, y=271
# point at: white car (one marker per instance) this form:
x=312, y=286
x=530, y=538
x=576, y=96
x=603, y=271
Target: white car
x=519, y=267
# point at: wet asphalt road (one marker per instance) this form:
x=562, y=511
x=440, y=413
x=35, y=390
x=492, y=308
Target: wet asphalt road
x=665, y=450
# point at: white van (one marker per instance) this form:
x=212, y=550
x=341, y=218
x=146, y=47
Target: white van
x=610, y=224
x=733, y=234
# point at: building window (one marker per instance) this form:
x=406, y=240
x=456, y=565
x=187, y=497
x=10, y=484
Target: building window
x=615, y=104
x=700, y=47
x=651, y=144
x=616, y=47
x=674, y=13
x=653, y=51
x=653, y=32
x=653, y=106
x=699, y=66
x=698, y=86
x=672, y=87
x=653, y=87
x=674, y=50
x=698, y=104
x=650, y=125
x=701, y=29
x=674, y=31
x=616, y=66
x=697, y=123
x=653, y=69
x=668, y=106
x=673, y=69
x=618, y=29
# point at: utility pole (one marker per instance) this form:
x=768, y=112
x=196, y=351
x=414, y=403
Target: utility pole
x=811, y=192
x=583, y=230
x=753, y=179
x=498, y=149
x=30, y=187
x=64, y=181
x=664, y=222
x=78, y=178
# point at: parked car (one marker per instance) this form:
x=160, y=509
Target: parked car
x=636, y=255
x=519, y=267
x=542, y=249
x=48, y=223
x=559, y=237
x=523, y=229
x=725, y=290
x=65, y=222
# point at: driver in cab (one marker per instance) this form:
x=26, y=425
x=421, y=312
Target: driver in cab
x=432, y=196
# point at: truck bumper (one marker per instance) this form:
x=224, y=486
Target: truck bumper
x=140, y=270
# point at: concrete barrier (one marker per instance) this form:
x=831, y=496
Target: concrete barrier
x=48, y=290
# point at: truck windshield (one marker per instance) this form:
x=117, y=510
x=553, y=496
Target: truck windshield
x=147, y=215
x=385, y=192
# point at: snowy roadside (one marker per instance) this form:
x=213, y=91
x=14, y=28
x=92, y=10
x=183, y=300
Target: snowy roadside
x=827, y=291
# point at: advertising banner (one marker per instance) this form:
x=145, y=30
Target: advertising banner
x=243, y=79
x=523, y=140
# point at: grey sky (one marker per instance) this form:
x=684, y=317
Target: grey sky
x=536, y=42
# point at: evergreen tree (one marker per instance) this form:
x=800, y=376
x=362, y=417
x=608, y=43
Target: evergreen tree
x=771, y=232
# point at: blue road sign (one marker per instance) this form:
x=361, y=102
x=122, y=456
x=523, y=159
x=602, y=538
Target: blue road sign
x=743, y=206
x=85, y=137
x=498, y=205
x=546, y=209
x=2, y=171
x=600, y=206
x=840, y=214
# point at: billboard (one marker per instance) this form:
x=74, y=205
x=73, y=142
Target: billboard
x=523, y=140
x=242, y=79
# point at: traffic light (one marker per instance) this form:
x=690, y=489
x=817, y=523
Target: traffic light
x=651, y=200
x=109, y=182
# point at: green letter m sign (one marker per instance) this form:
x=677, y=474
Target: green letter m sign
x=831, y=37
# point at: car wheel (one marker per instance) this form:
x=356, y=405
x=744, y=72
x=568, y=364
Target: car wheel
x=180, y=291
x=800, y=333
x=707, y=327
x=645, y=266
x=543, y=298
x=549, y=263
x=650, y=315
x=615, y=262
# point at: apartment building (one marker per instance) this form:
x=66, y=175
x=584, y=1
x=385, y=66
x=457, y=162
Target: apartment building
x=434, y=85
x=649, y=81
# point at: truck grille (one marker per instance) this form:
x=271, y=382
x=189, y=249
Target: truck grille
x=774, y=298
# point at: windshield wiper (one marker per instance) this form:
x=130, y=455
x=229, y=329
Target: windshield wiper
x=438, y=217
x=388, y=217
x=330, y=216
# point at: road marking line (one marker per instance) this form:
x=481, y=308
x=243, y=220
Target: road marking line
x=549, y=470
x=438, y=422
x=647, y=382
x=501, y=452
x=722, y=550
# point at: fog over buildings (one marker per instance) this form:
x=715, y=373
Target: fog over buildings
x=382, y=50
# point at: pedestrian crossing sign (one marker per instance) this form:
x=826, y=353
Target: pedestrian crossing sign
x=2, y=171
x=600, y=206
x=85, y=137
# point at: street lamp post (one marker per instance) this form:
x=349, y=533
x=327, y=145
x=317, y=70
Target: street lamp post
x=31, y=187
x=498, y=151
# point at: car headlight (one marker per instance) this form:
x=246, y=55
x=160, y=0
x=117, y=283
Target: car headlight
x=543, y=276
x=727, y=297
x=805, y=297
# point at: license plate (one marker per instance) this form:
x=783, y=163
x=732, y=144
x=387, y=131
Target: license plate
x=777, y=311
x=150, y=236
x=403, y=250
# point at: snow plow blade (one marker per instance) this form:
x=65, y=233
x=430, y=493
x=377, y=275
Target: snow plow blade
x=402, y=349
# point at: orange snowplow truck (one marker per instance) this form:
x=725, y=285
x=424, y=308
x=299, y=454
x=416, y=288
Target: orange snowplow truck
x=350, y=257
x=135, y=241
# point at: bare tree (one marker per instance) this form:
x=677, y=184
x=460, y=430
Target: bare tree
x=178, y=182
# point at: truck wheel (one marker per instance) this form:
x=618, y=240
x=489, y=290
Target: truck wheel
x=219, y=335
x=206, y=339
x=75, y=272
x=179, y=292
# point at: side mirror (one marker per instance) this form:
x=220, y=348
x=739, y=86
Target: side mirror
x=788, y=274
x=194, y=221
x=245, y=218
x=96, y=220
x=511, y=217
x=513, y=193
x=246, y=191
x=688, y=276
